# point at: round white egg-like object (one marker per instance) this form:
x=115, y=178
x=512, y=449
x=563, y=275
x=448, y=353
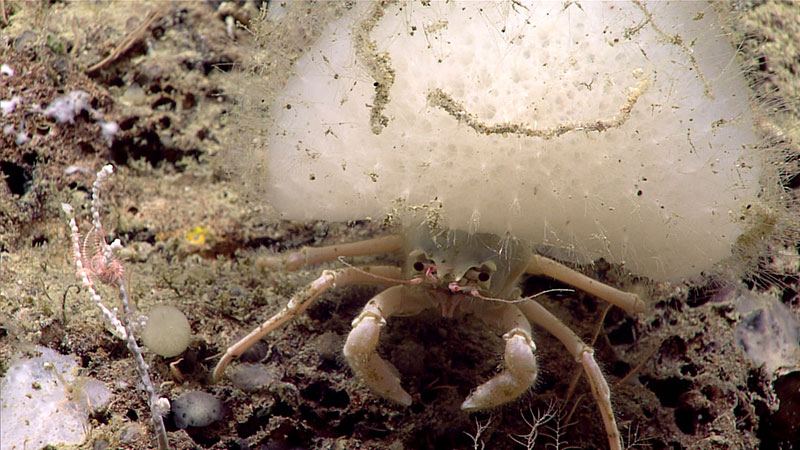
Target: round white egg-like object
x=167, y=332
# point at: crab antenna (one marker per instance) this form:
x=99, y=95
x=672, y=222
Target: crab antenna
x=473, y=291
x=379, y=277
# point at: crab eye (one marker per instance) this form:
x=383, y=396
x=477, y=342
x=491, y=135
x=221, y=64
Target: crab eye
x=418, y=266
x=481, y=275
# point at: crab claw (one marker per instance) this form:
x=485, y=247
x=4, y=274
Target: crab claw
x=519, y=374
x=376, y=373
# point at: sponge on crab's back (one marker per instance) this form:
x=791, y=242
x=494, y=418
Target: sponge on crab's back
x=621, y=141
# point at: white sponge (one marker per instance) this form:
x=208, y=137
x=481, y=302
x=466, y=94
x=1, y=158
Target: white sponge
x=36, y=408
x=592, y=129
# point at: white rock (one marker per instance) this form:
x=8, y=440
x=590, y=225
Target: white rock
x=196, y=409
x=8, y=106
x=65, y=108
x=769, y=332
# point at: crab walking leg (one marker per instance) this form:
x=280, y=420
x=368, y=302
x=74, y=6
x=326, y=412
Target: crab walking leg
x=301, y=300
x=584, y=354
x=540, y=265
x=308, y=256
x=360, y=348
x=520, y=363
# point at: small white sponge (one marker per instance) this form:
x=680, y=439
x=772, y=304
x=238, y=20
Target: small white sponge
x=592, y=129
x=36, y=408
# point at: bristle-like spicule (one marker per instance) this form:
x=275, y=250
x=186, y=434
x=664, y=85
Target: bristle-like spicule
x=590, y=129
x=284, y=33
x=768, y=56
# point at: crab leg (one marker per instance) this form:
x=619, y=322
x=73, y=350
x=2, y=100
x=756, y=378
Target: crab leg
x=583, y=354
x=540, y=265
x=520, y=363
x=301, y=300
x=360, y=348
x=308, y=256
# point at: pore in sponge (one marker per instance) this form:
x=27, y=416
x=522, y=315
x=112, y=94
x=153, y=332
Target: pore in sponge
x=591, y=129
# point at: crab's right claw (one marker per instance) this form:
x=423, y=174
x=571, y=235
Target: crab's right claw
x=360, y=351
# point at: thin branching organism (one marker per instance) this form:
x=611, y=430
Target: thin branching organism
x=95, y=260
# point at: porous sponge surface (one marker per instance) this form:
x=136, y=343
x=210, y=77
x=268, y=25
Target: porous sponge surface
x=660, y=191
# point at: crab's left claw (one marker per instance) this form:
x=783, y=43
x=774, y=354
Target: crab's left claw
x=518, y=375
x=520, y=368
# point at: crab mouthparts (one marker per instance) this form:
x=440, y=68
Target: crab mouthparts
x=449, y=305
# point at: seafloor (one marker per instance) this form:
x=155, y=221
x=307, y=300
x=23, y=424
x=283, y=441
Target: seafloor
x=191, y=240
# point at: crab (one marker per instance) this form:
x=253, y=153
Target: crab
x=457, y=273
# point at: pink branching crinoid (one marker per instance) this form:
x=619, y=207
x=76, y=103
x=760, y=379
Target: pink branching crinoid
x=99, y=260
